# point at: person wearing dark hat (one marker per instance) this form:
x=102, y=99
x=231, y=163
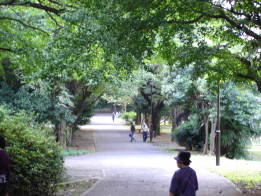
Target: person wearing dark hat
x=184, y=181
x=5, y=164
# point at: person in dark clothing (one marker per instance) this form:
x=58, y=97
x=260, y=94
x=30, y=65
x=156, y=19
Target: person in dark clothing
x=184, y=181
x=132, y=132
x=113, y=116
x=5, y=164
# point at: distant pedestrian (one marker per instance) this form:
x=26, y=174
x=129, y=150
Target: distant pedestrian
x=132, y=132
x=184, y=181
x=5, y=165
x=144, y=131
x=113, y=116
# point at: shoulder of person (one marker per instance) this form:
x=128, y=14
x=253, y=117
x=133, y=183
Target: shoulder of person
x=4, y=154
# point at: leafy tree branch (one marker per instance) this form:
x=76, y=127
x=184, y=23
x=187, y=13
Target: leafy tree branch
x=6, y=49
x=33, y=5
x=24, y=24
x=197, y=19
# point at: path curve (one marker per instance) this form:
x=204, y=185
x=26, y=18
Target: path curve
x=134, y=169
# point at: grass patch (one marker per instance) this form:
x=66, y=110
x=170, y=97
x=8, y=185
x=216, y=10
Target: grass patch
x=238, y=171
x=165, y=130
x=254, y=155
x=74, y=152
x=244, y=173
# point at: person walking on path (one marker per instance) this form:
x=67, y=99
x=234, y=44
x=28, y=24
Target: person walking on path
x=5, y=164
x=144, y=131
x=113, y=116
x=132, y=129
x=184, y=181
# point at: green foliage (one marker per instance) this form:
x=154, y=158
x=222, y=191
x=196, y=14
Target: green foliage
x=37, y=162
x=73, y=152
x=129, y=116
x=35, y=97
x=177, y=85
x=188, y=134
x=241, y=119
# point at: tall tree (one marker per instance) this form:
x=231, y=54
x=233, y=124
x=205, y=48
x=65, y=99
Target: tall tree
x=146, y=26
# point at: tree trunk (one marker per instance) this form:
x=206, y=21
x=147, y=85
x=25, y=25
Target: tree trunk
x=60, y=133
x=173, y=121
x=155, y=121
x=212, y=136
x=138, y=118
x=156, y=124
x=206, y=121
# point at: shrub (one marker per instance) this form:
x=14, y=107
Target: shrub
x=129, y=116
x=188, y=134
x=240, y=120
x=37, y=162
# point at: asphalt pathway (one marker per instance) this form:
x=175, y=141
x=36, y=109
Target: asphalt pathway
x=127, y=168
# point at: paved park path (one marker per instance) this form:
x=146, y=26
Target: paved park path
x=134, y=169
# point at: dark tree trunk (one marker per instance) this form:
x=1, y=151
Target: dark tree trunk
x=212, y=136
x=138, y=119
x=60, y=133
x=258, y=83
x=206, y=122
x=155, y=121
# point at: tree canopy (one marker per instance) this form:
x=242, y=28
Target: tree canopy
x=224, y=36
x=73, y=52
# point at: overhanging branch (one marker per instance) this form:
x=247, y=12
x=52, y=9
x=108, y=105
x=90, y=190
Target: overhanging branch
x=244, y=61
x=24, y=24
x=34, y=5
x=57, y=3
x=234, y=24
x=185, y=21
x=246, y=77
x=7, y=2
x=6, y=49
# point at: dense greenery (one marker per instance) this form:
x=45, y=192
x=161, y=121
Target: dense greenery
x=35, y=97
x=189, y=134
x=59, y=48
x=240, y=114
x=59, y=57
x=37, y=163
x=241, y=119
x=128, y=116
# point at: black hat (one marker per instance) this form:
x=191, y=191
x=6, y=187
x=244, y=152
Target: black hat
x=183, y=157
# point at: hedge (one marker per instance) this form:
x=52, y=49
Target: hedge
x=37, y=163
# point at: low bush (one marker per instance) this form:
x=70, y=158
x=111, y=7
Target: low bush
x=129, y=116
x=37, y=162
x=189, y=135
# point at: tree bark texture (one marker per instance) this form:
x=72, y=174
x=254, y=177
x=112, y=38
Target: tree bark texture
x=206, y=122
x=60, y=129
x=212, y=136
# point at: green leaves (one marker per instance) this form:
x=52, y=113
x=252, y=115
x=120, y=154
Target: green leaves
x=37, y=163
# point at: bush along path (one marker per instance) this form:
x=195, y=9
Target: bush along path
x=137, y=168
x=36, y=158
